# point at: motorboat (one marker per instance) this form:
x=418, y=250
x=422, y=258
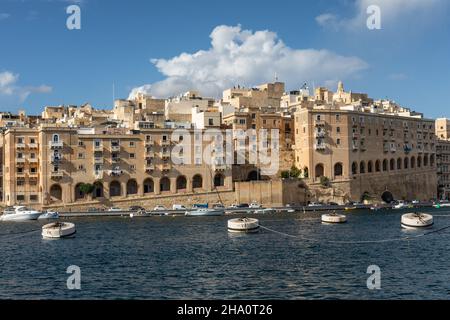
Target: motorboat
x=218, y=206
x=243, y=225
x=159, y=208
x=375, y=207
x=58, y=230
x=115, y=209
x=205, y=212
x=442, y=204
x=255, y=205
x=49, y=215
x=417, y=220
x=265, y=211
x=334, y=217
x=20, y=213
x=140, y=214
x=401, y=205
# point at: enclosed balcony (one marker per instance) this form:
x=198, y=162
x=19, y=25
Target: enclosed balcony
x=115, y=172
x=57, y=174
x=20, y=160
x=20, y=145
x=149, y=167
x=56, y=159
x=319, y=134
x=319, y=123
x=320, y=147
x=56, y=144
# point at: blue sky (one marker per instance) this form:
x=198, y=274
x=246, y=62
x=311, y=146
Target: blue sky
x=236, y=42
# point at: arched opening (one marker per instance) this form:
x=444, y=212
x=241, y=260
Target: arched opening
x=425, y=161
x=385, y=165
x=55, y=138
x=164, y=184
x=406, y=163
x=399, y=164
x=252, y=176
x=219, y=180
x=181, y=183
x=413, y=162
x=132, y=187
x=354, y=168
x=56, y=192
x=197, y=182
x=387, y=197
x=98, y=190
x=392, y=165
x=377, y=166
x=149, y=186
x=115, y=190
x=419, y=162
x=338, y=171
x=305, y=172
x=432, y=160
x=320, y=171
x=362, y=167
x=370, y=167
x=79, y=194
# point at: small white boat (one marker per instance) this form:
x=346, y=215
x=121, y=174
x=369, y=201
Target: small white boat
x=243, y=225
x=334, y=218
x=58, y=230
x=115, y=209
x=20, y=213
x=401, y=205
x=265, y=211
x=49, y=215
x=205, y=212
x=255, y=205
x=417, y=220
x=442, y=205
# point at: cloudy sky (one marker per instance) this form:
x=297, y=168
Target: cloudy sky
x=170, y=47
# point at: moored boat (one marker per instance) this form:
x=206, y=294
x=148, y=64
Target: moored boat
x=58, y=230
x=205, y=212
x=20, y=213
x=49, y=215
x=265, y=211
x=243, y=225
x=417, y=220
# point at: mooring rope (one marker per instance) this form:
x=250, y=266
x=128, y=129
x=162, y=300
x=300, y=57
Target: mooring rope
x=360, y=241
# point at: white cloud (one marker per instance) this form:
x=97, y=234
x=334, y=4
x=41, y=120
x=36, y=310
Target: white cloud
x=247, y=58
x=391, y=11
x=10, y=89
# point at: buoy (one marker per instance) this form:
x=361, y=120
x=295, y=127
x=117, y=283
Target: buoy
x=245, y=225
x=417, y=220
x=334, y=218
x=58, y=230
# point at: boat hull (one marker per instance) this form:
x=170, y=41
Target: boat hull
x=20, y=217
x=209, y=213
x=58, y=230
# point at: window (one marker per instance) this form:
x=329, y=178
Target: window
x=20, y=183
x=55, y=138
x=338, y=117
x=33, y=170
x=80, y=143
x=32, y=155
x=81, y=167
x=33, y=197
x=241, y=121
x=338, y=141
x=164, y=138
x=132, y=155
x=133, y=167
x=97, y=143
x=20, y=197
x=132, y=144
x=253, y=115
x=211, y=122
x=20, y=155
x=19, y=170
x=338, y=130
x=20, y=140
x=32, y=140
x=80, y=156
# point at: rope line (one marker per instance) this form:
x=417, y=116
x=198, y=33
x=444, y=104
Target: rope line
x=19, y=233
x=361, y=241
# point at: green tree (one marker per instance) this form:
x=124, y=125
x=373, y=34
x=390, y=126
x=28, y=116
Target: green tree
x=285, y=174
x=295, y=172
x=325, y=181
x=87, y=188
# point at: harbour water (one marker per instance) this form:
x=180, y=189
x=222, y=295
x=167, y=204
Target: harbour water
x=196, y=258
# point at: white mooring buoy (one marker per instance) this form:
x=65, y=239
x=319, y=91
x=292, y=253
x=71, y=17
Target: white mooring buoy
x=58, y=230
x=334, y=218
x=417, y=220
x=244, y=225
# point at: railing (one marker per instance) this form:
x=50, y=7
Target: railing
x=20, y=160
x=56, y=144
x=98, y=159
x=57, y=174
x=33, y=145
x=115, y=148
x=20, y=145
x=319, y=123
x=320, y=147
x=149, y=167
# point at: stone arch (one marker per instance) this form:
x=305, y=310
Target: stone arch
x=79, y=195
x=362, y=167
x=354, y=168
x=419, y=162
x=432, y=160
x=181, y=183
x=338, y=170
x=406, y=163
x=413, y=162
x=98, y=190
x=56, y=192
x=425, y=160
x=392, y=165
x=132, y=187
x=197, y=181
x=115, y=189
x=385, y=165
x=399, y=164
x=164, y=184
x=219, y=180
x=149, y=186
x=320, y=170
x=377, y=166
x=370, y=166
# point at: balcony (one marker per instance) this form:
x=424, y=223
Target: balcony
x=320, y=134
x=407, y=149
x=219, y=167
x=386, y=148
x=115, y=172
x=20, y=160
x=115, y=148
x=393, y=148
x=98, y=147
x=33, y=160
x=149, y=142
x=320, y=147
x=98, y=160
x=20, y=145
x=355, y=135
x=355, y=147
x=57, y=174
x=115, y=160
x=98, y=174
x=56, y=159
x=165, y=143
x=149, y=155
x=149, y=167
x=165, y=154
x=33, y=145
x=56, y=145
x=319, y=123
x=166, y=167
x=363, y=147
x=33, y=175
